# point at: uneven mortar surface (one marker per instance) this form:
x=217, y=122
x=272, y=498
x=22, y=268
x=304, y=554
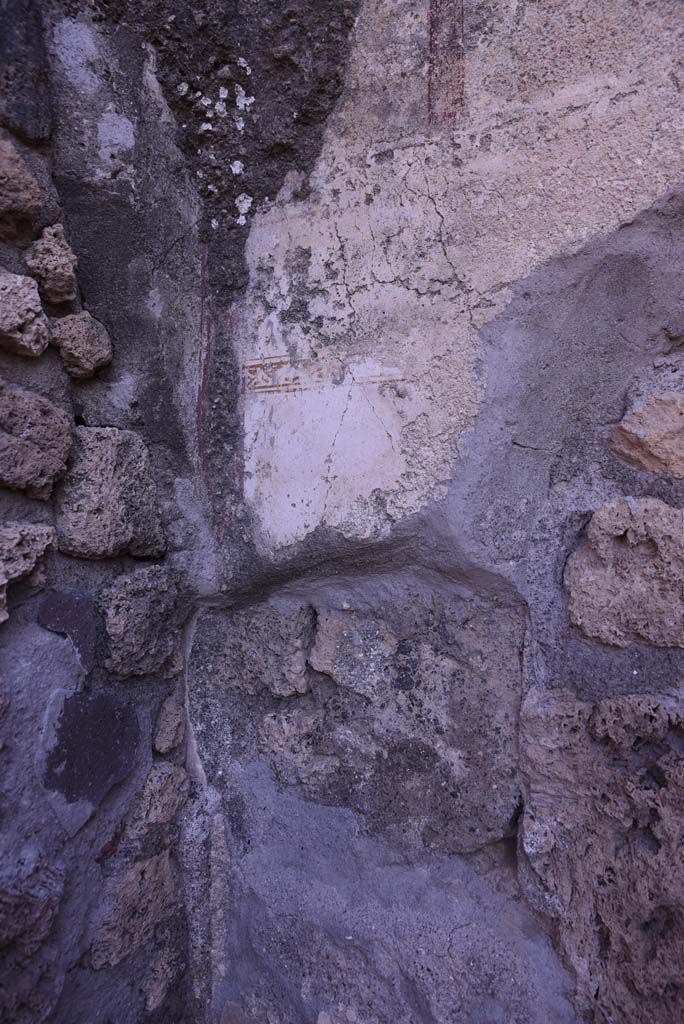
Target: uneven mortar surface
x=341, y=512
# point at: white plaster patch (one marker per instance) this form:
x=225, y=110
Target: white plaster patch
x=123, y=391
x=244, y=204
x=76, y=44
x=411, y=236
x=155, y=302
x=315, y=414
x=348, y=425
x=242, y=100
x=115, y=137
x=94, y=132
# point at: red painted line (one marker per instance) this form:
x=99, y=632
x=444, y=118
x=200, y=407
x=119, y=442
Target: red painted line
x=206, y=338
x=446, y=65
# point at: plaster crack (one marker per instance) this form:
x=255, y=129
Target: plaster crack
x=343, y=253
x=531, y=447
x=440, y=238
x=373, y=410
x=329, y=457
x=160, y=260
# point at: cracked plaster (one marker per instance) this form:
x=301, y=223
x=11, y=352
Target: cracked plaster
x=358, y=335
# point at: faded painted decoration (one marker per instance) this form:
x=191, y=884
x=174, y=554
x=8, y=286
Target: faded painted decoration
x=443, y=179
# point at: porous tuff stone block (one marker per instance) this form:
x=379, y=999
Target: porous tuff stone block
x=626, y=581
x=35, y=438
x=407, y=714
x=23, y=324
x=31, y=896
x=601, y=846
x=51, y=261
x=170, y=728
x=20, y=195
x=83, y=342
x=21, y=547
x=141, y=623
x=651, y=437
x=107, y=504
x=165, y=792
x=135, y=901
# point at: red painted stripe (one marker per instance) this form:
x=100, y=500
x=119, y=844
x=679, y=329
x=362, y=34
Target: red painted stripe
x=446, y=77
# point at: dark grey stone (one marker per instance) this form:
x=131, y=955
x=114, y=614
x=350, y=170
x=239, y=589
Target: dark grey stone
x=24, y=94
x=89, y=745
x=74, y=615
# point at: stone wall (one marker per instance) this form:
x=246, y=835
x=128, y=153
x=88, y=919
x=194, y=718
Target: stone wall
x=341, y=482
x=96, y=461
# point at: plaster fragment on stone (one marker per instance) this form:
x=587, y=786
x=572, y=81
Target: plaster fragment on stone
x=116, y=138
x=243, y=203
x=242, y=100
